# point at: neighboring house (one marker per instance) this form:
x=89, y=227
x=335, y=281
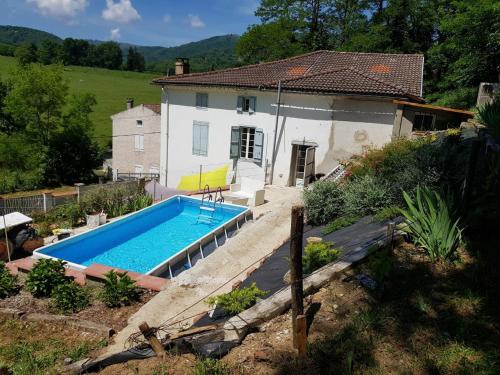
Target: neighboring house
x=136, y=139
x=281, y=122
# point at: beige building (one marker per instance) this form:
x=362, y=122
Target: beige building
x=136, y=140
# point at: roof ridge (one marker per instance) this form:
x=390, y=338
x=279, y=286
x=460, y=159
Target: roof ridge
x=240, y=67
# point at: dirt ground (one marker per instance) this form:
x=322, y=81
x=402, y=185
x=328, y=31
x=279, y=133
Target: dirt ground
x=98, y=312
x=424, y=318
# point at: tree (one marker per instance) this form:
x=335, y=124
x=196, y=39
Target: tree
x=26, y=53
x=109, y=55
x=7, y=123
x=36, y=99
x=73, y=154
x=50, y=52
x=269, y=41
x=135, y=60
x=75, y=51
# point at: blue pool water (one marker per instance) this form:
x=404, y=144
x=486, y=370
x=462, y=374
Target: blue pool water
x=143, y=240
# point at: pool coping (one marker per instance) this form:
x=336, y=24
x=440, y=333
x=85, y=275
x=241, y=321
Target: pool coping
x=166, y=264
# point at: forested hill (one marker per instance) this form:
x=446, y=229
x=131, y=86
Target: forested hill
x=17, y=35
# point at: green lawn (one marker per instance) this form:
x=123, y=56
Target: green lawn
x=111, y=88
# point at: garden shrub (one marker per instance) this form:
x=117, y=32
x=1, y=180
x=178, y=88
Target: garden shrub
x=70, y=297
x=139, y=201
x=387, y=213
x=45, y=275
x=317, y=255
x=489, y=115
x=431, y=225
x=8, y=282
x=324, y=201
x=340, y=223
x=380, y=263
x=237, y=300
x=119, y=289
x=209, y=366
x=365, y=195
x=66, y=215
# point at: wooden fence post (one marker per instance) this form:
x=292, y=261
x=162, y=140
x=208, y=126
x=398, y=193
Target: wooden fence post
x=301, y=335
x=152, y=339
x=296, y=285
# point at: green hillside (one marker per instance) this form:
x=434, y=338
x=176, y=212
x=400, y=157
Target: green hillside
x=18, y=35
x=111, y=88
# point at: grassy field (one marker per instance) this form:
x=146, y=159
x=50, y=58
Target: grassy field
x=111, y=88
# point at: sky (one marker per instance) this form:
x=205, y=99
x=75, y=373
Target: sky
x=142, y=22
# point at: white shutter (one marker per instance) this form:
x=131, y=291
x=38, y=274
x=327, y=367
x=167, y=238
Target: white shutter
x=136, y=142
x=200, y=138
x=253, y=102
x=239, y=105
x=141, y=142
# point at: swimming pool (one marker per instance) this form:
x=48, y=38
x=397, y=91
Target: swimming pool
x=148, y=241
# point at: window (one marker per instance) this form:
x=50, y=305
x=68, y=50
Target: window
x=423, y=121
x=139, y=123
x=200, y=138
x=154, y=170
x=247, y=143
x=201, y=100
x=246, y=104
x=139, y=142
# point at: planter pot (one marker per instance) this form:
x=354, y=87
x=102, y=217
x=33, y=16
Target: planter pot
x=93, y=220
x=103, y=218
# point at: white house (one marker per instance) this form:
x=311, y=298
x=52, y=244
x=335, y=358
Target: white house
x=136, y=139
x=281, y=122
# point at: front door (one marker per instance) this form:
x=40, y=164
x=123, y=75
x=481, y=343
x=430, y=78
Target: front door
x=302, y=167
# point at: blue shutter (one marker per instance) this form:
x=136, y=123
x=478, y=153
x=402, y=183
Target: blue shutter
x=200, y=138
x=258, y=146
x=234, y=152
x=253, y=103
x=239, y=105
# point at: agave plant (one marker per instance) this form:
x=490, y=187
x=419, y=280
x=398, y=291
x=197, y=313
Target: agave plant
x=489, y=115
x=431, y=223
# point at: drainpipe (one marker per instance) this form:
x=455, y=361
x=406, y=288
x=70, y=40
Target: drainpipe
x=167, y=100
x=273, y=159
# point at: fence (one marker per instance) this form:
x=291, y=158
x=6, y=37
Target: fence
x=47, y=201
x=129, y=176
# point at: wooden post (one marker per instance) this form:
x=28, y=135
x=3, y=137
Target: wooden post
x=6, y=237
x=390, y=235
x=302, y=335
x=152, y=339
x=296, y=285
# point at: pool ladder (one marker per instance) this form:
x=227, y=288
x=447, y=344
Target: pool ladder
x=209, y=204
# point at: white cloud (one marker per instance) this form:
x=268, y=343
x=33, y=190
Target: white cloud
x=122, y=11
x=195, y=21
x=60, y=8
x=167, y=18
x=115, y=34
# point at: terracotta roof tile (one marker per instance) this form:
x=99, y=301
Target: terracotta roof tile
x=322, y=71
x=154, y=107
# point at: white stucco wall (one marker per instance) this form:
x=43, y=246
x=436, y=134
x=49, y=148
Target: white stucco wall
x=340, y=126
x=125, y=157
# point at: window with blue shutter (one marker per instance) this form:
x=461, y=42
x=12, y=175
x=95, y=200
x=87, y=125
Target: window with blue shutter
x=246, y=104
x=258, y=146
x=200, y=138
x=201, y=100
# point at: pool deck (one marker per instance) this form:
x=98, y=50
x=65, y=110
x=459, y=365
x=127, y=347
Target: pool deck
x=184, y=296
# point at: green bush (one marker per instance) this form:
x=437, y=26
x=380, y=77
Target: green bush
x=237, y=300
x=119, y=289
x=45, y=276
x=489, y=115
x=431, y=225
x=340, y=223
x=67, y=214
x=380, y=263
x=70, y=297
x=209, y=366
x=139, y=201
x=324, y=201
x=366, y=195
x=8, y=282
x=317, y=255
x=387, y=213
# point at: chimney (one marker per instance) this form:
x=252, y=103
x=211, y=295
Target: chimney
x=181, y=66
x=130, y=103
